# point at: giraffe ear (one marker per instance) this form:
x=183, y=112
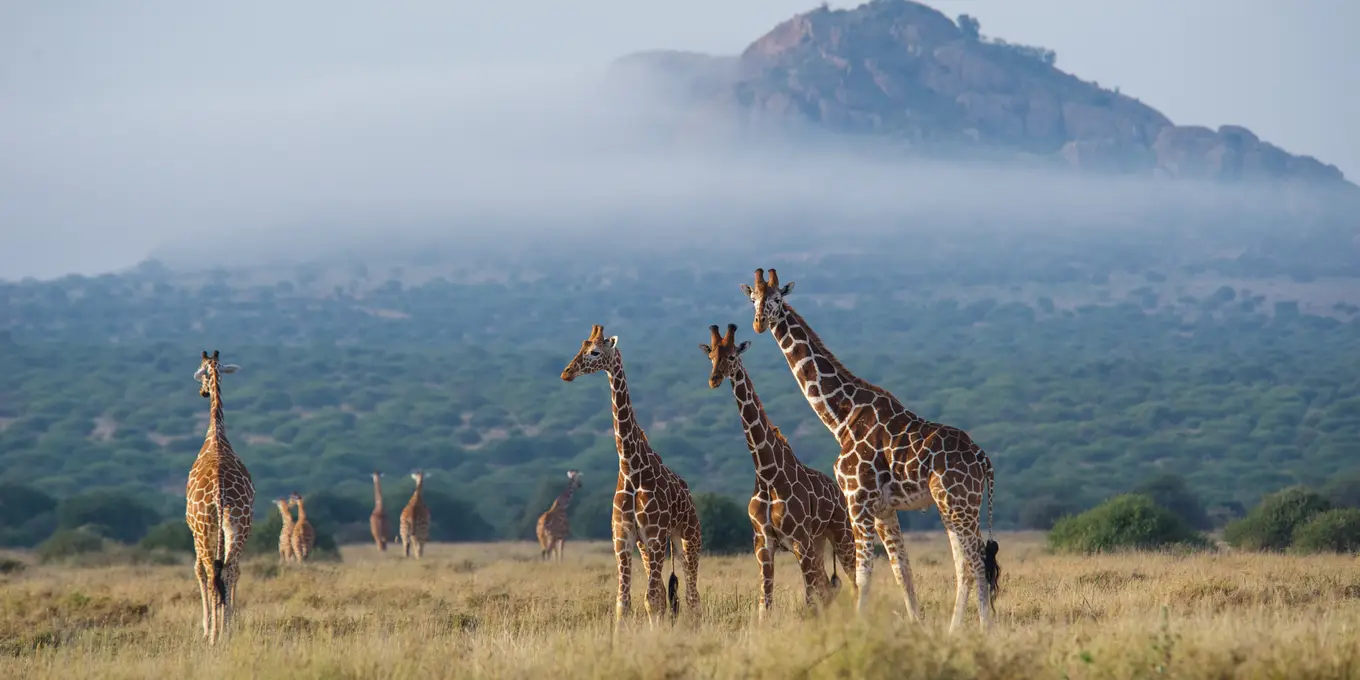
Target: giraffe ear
x=788, y=288
x=747, y=290
x=741, y=346
x=228, y=368
x=707, y=350
x=612, y=341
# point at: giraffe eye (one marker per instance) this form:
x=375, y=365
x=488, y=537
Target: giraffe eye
x=594, y=352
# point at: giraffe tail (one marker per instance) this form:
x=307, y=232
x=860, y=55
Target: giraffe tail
x=673, y=586
x=989, y=563
x=219, y=586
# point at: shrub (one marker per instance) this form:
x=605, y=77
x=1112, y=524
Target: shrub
x=121, y=516
x=1129, y=521
x=1169, y=491
x=68, y=543
x=172, y=536
x=1343, y=489
x=1271, y=525
x=1043, y=512
x=1335, y=531
x=725, y=525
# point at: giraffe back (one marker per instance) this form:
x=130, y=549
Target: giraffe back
x=219, y=490
x=415, y=520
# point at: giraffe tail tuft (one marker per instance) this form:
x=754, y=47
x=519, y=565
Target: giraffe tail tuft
x=993, y=570
x=673, y=585
x=218, y=584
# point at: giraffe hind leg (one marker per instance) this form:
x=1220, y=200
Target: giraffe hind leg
x=690, y=549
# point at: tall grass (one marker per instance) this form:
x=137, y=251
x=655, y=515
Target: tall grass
x=496, y=611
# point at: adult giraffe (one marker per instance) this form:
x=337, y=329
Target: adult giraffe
x=890, y=460
x=219, y=503
x=652, y=505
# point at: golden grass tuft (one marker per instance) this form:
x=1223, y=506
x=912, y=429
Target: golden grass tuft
x=495, y=611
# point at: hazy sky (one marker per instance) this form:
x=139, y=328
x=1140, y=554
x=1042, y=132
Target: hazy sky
x=126, y=125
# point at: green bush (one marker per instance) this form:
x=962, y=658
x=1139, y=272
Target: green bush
x=27, y=516
x=1343, y=489
x=725, y=526
x=1170, y=491
x=1129, y=521
x=1335, y=531
x=173, y=536
x=120, y=516
x=68, y=543
x=1271, y=525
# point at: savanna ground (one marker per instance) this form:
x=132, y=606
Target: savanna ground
x=495, y=611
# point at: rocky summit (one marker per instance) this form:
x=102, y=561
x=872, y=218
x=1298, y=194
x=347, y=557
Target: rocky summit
x=902, y=71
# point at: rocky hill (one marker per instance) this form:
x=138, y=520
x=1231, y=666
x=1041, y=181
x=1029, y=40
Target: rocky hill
x=902, y=70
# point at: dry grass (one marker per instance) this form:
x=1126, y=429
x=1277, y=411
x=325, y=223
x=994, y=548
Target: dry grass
x=494, y=611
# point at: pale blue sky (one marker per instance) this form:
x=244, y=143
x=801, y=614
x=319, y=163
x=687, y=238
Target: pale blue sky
x=136, y=117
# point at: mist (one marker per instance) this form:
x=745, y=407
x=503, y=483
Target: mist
x=211, y=139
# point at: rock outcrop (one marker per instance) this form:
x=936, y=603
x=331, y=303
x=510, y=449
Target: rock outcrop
x=901, y=69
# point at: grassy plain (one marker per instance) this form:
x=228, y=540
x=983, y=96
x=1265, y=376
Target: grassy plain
x=494, y=611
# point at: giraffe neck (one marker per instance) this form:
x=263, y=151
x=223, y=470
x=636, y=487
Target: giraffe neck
x=831, y=390
x=302, y=513
x=769, y=455
x=628, y=434
x=419, y=494
x=564, y=500
x=377, y=495
x=287, y=516
x=217, y=422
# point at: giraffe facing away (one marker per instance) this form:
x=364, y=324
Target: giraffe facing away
x=377, y=522
x=553, y=525
x=890, y=459
x=415, y=519
x=652, y=505
x=219, y=503
x=286, y=532
x=304, y=536
x=793, y=506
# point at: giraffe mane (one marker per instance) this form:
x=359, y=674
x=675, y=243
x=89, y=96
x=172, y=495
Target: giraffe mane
x=840, y=368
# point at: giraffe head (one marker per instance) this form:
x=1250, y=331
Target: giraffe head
x=376, y=475
x=208, y=369
x=419, y=476
x=598, y=353
x=768, y=299
x=575, y=479
x=294, y=498
x=725, y=353
x=283, y=506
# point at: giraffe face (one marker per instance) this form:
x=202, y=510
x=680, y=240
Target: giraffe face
x=208, y=369
x=768, y=299
x=725, y=354
x=283, y=505
x=598, y=353
x=418, y=476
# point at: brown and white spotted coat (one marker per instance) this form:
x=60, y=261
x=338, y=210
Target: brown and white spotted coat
x=793, y=506
x=219, y=504
x=553, y=525
x=377, y=522
x=304, y=536
x=285, y=531
x=652, y=505
x=415, y=520
x=890, y=460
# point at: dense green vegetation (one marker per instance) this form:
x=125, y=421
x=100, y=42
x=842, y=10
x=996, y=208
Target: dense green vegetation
x=1131, y=521
x=1081, y=381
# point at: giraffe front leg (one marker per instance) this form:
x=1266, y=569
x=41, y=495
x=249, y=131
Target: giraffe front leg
x=890, y=532
x=623, y=557
x=765, y=560
x=862, y=524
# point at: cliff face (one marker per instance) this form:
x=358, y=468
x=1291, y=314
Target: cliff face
x=900, y=69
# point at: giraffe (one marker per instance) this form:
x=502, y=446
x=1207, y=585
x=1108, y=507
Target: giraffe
x=377, y=522
x=652, y=505
x=285, y=533
x=792, y=506
x=304, y=536
x=890, y=459
x=553, y=525
x=219, y=503
x=415, y=519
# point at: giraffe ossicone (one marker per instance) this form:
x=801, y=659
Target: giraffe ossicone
x=652, y=505
x=890, y=460
x=793, y=507
x=219, y=506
